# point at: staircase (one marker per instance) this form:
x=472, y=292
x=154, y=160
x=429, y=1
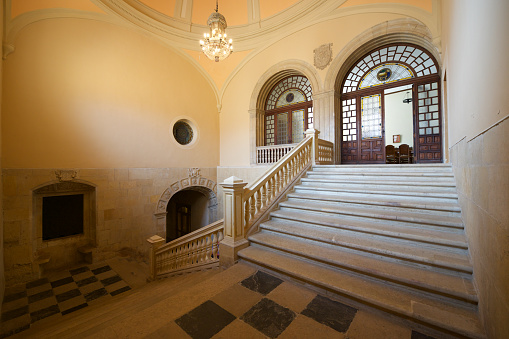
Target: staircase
x=390, y=236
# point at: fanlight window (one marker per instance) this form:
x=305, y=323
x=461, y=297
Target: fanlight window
x=289, y=111
x=385, y=74
x=402, y=58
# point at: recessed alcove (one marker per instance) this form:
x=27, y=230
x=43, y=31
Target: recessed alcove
x=64, y=219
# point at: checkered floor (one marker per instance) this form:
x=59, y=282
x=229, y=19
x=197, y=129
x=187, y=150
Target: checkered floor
x=58, y=295
x=256, y=301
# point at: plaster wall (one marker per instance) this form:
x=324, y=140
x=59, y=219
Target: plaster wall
x=88, y=94
x=234, y=116
x=474, y=37
x=398, y=119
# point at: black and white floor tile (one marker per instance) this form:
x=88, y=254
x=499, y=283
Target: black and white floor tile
x=58, y=295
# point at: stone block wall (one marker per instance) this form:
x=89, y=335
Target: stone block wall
x=126, y=204
x=481, y=168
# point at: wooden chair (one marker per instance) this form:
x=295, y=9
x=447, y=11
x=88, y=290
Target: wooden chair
x=404, y=154
x=390, y=155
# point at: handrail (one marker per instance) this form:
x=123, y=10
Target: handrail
x=198, y=249
x=262, y=194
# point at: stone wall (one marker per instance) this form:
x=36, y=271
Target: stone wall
x=481, y=168
x=128, y=211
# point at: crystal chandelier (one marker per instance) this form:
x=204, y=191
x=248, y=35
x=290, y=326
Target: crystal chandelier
x=215, y=46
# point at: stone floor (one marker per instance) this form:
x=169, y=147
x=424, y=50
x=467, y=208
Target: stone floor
x=241, y=302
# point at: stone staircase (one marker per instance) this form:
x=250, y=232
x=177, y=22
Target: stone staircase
x=390, y=236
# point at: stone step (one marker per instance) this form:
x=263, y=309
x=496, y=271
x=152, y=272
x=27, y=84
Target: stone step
x=401, y=168
x=450, y=316
x=373, y=212
x=384, y=173
x=446, y=284
x=377, y=181
x=453, y=259
x=407, y=178
x=416, y=232
x=365, y=199
x=449, y=194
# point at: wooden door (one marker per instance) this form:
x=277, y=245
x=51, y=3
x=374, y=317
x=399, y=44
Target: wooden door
x=372, y=129
x=428, y=129
x=183, y=222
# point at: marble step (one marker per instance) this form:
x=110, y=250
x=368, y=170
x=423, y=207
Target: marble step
x=446, y=194
x=384, y=173
x=450, y=316
x=400, y=168
x=401, y=230
x=365, y=199
x=453, y=259
x=386, y=176
x=379, y=181
x=446, y=284
x=372, y=212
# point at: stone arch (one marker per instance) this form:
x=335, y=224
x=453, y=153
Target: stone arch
x=405, y=30
x=193, y=182
x=262, y=89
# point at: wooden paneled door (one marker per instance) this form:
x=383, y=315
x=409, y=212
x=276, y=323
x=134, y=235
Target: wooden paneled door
x=428, y=127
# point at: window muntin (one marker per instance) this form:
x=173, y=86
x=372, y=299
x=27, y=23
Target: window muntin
x=297, y=82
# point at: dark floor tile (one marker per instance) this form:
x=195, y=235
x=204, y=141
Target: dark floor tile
x=330, y=313
x=61, y=282
x=86, y=281
x=261, y=282
x=18, y=312
x=15, y=331
x=419, y=335
x=205, y=320
x=15, y=296
x=68, y=295
x=269, y=317
x=75, y=308
x=101, y=269
x=95, y=294
x=44, y=313
x=79, y=270
x=36, y=283
x=111, y=280
x=120, y=290
x=40, y=296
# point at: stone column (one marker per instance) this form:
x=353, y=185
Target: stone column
x=155, y=242
x=234, y=236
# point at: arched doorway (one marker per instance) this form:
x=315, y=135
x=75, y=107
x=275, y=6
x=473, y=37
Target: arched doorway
x=368, y=111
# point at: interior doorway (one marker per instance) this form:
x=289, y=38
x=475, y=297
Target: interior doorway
x=187, y=211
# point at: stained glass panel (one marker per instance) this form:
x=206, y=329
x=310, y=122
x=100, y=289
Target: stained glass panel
x=297, y=125
x=385, y=74
x=371, y=117
x=282, y=128
x=298, y=82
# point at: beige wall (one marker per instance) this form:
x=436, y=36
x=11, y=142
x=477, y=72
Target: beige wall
x=234, y=116
x=476, y=50
x=398, y=119
x=87, y=94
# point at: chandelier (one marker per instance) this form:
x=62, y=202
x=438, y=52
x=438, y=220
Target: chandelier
x=214, y=45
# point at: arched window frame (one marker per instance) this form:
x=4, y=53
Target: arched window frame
x=272, y=112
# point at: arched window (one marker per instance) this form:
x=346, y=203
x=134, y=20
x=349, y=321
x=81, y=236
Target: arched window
x=288, y=111
x=367, y=114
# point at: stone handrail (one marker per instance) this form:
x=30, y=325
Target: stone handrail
x=196, y=250
x=273, y=153
x=325, y=152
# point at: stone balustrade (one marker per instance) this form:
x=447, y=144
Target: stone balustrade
x=273, y=153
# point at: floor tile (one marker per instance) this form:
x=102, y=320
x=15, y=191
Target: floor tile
x=17, y=312
x=106, y=274
x=111, y=280
x=75, y=308
x=239, y=329
x=37, y=282
x=63, y=281
x=79, y=270
x=237, y=299
x=73, y=302
x=101, y=269
x=371, y=325
x=269, y=318
x=68, y=295
x=330, y=313
x=292, y=296
x=44, y=313
x=43, y=303
x=14, y=304
x=39, y=296
x=418, y=335
x=11, y=327
x=120, y=290
x=205, y=320
x=86, y=281
x=95, y=294
x=65, y=288
x=171, y=330
x=304, y=327
x=115, y=286
x=14, y=296
x=82, y=276
x=261, y=282
x=38, y=289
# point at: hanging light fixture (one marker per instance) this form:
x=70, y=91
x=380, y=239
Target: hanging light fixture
x=407, y=99
x=215, y=44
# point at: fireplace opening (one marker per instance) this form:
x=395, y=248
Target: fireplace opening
x=62, y=216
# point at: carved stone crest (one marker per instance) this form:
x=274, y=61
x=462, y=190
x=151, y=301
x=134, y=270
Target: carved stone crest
x=194, y=172
x=66, y=175
x=323, y=56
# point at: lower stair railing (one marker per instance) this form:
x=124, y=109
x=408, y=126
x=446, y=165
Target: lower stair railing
x=244, y=210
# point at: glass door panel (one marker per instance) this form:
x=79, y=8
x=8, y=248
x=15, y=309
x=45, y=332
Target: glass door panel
x=297, y=125
x=282, y=128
